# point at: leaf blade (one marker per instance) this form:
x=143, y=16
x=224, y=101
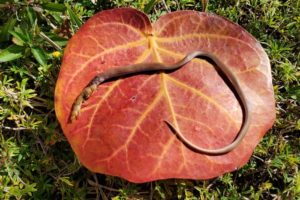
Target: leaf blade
x=56, y=7
x=8, y=26
x=150, y=6
x=145, y=101
x=11, y=53
x=39, y=55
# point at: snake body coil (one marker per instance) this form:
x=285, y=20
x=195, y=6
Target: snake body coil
x=152, y=67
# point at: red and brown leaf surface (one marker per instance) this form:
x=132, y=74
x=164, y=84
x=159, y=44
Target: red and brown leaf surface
x=120, y=130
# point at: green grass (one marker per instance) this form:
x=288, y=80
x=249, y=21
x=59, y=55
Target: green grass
x=36, y=161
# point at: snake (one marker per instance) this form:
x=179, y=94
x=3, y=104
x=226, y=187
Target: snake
x=118, y=72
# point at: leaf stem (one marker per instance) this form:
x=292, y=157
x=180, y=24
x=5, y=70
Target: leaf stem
x=41, y=34
x=15, y=128
x=204, y=5
x=166, y=7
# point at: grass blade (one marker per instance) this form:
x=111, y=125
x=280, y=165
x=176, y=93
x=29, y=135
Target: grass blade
x=73, y=17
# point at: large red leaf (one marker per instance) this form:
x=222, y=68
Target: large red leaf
x=120, y=130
